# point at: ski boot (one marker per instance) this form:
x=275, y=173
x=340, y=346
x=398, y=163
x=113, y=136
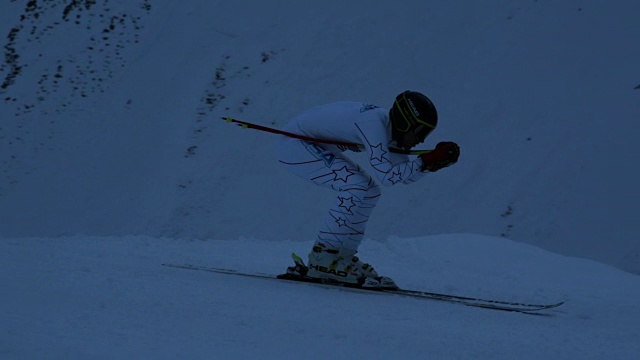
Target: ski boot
x=343, y=266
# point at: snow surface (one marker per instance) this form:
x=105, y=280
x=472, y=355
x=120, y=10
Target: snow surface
x=113, y=160
x=109, y=298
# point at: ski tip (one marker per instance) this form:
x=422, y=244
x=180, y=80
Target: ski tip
x=296, y=257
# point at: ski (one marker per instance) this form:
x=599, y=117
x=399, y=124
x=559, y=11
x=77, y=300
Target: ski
x=417, y=294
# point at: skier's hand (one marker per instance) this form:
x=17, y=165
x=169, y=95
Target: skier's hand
x=445, y=154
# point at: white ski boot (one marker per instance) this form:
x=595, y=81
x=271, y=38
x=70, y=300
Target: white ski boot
x=344, y=266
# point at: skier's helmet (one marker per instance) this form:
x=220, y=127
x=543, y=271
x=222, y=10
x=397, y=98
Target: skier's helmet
x=413, y=111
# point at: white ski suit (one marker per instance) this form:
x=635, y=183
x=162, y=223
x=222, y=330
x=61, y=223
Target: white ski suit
x=326, y=165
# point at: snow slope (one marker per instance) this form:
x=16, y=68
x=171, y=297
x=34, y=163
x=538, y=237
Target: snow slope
x=109, y=298
x=110, y=117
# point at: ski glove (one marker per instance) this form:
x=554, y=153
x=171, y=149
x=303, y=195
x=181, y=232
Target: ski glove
x=445, y=154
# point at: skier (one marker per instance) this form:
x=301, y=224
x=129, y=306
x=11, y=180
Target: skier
x=410, y=120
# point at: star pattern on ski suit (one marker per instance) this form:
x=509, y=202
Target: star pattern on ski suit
x=341, y=222
x=342, y=174
x=378, y=153
x=395, y=177
x=346, y=203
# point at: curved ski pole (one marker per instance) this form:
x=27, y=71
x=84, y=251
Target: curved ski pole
x=247, y=125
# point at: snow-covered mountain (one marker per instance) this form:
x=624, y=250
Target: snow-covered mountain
x=111, y=117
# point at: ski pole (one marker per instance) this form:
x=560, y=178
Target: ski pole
x=247, y=125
